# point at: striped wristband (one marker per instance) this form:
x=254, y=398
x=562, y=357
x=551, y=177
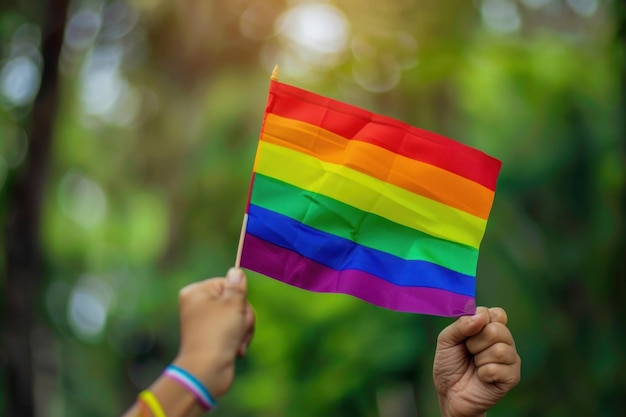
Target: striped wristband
x=192, y=384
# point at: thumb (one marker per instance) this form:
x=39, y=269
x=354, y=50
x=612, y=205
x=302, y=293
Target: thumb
x=463, y=328
x=236, y=285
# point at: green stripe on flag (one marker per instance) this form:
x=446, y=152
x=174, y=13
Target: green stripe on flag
x=367, y=229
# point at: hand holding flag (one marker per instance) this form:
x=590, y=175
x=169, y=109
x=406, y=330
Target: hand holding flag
x=476, y=363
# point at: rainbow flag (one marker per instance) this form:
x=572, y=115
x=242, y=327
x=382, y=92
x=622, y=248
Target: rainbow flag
x=343, y=200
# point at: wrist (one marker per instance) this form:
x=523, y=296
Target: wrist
x=445, y=410
x=193, y=385
x=215, y=374
x=173, y=398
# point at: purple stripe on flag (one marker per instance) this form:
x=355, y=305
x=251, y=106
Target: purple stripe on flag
x=294, y=269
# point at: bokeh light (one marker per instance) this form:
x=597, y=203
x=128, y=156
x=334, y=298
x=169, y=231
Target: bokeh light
x=318, y=28
x=118, y=21
x=19, y=80
x=312, y=36
x=586, y=8
x=536, y=4
x=501, y=15
x=82, y=29
x=82, y=199
x=21, y=72
x=105, y=92
x=88, y=307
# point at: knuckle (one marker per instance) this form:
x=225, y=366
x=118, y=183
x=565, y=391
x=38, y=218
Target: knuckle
x=502, y=353
x=491, y=332
x=489, y=372
x=496, y=332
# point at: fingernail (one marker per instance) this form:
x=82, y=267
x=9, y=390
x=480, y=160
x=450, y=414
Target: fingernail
x=234, y=275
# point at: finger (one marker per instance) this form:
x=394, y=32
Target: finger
x=245, y=344
x=249, y=319
x=500, y=353
x=498, y=315
x=236, y=285
x=249, y=323
x=488, y=336
x=495, y=373
x=463, y=328
x=212, y=287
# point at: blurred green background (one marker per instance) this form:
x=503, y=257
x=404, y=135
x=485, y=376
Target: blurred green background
x=127, y=135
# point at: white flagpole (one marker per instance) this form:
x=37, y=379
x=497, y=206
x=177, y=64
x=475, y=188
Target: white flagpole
x=241, y=238
x=244, y=224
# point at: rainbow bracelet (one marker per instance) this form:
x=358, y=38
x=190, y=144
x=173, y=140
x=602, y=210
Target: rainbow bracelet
x=192, y=384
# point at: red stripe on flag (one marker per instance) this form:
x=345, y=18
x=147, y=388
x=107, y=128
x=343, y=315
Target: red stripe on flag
x=354, y=123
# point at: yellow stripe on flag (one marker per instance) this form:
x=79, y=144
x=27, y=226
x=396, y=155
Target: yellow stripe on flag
x=369, y=194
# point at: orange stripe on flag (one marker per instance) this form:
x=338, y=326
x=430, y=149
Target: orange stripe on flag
x=415, y=176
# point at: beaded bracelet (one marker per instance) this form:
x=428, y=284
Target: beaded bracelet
x=192, y=384
x=148, y=398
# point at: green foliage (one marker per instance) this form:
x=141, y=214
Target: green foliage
x=153, y=146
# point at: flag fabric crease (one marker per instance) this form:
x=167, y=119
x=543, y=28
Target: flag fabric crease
x=344, y=200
